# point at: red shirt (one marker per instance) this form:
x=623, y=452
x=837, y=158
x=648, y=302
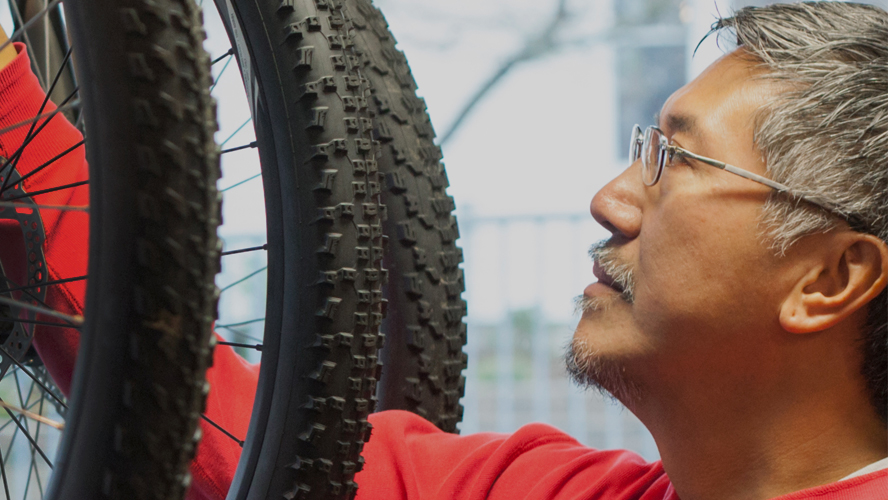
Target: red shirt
x=407, y=457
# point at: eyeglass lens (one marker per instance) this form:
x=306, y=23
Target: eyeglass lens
x=635, y=143
x=650, y=164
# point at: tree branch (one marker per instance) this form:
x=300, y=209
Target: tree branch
x=537, y=46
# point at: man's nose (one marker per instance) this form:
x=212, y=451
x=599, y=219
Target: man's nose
x=617, y=206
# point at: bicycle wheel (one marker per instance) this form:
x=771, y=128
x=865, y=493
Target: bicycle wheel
x=324, y=248
x=138, y=388
x=306, y=80
x=423, y=360
x=306, y=86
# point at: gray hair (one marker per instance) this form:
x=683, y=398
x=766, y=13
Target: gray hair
x=827, y=133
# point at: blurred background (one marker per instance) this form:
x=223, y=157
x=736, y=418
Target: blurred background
x=532, y=102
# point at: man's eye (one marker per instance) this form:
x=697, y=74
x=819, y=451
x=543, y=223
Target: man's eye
x=680, y=159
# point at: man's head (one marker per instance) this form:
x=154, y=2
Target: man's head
x=736, y=289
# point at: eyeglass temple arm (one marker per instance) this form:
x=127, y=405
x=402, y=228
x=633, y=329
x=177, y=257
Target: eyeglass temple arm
x=817, y=200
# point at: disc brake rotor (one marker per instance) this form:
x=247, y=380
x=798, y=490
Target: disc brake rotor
x=17, y=323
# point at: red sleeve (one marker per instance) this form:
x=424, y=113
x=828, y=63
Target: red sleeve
x=409, y=458
x=230, y=404
x=67, y=234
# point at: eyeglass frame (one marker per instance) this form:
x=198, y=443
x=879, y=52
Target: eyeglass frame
x=637, y=147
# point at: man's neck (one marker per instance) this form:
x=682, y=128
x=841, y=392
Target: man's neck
x=711, y=450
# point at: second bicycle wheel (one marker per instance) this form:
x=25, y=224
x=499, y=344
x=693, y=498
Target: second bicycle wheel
x=324, y=303
x=306, y=77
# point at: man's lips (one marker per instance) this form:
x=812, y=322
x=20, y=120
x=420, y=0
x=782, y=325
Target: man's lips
x=604, y=278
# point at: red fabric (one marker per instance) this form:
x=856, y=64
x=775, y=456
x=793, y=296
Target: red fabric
x=407, y=457
x=229, y=404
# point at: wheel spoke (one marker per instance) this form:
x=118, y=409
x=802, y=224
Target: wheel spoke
x=18, y=388
x=258, y=347
x=28, y=45
x=47, y=190
x=223, y=56
x=31, y=133
x=248, y=179
x=37, y=474
x=15, y=432
x=245, y=278
x=219, y=76
x=32, y=468
x=33, y=377
x=26, y=292
x=68, y=208
x=74, y=320
x=240, y=333
x=242, y=250
x=49, y=114
x=257, y=320
x=214, y=424
x=39, y=482
x=38, y=322
x=7, y=424
x=245, y=146
x=30, y=23
x=46, y=283
x=33, y=461
x=27, y=435
x=48, y=163
x=28, y=482
x=31, y=465
x=244, y=124
x=3, y=472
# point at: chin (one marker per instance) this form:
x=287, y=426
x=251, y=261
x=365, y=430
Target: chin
x=591, y=364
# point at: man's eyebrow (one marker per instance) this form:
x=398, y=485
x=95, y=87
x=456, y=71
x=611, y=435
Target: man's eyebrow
x=681, y=123
x=678, y=123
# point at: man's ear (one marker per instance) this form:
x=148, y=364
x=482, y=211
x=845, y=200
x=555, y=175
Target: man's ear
x=847, y=274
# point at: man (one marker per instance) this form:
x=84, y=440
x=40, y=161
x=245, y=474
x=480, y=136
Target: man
x=740, y=311
x=744, y=325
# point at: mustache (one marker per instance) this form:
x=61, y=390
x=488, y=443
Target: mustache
x=587, y=304
x=605, y=252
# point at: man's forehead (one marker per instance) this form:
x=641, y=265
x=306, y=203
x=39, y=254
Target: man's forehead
x=721, y=102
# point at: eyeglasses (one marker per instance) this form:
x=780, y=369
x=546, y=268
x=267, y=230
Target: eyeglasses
x=656, y=153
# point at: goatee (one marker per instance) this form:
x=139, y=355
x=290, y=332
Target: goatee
x=591, y=370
